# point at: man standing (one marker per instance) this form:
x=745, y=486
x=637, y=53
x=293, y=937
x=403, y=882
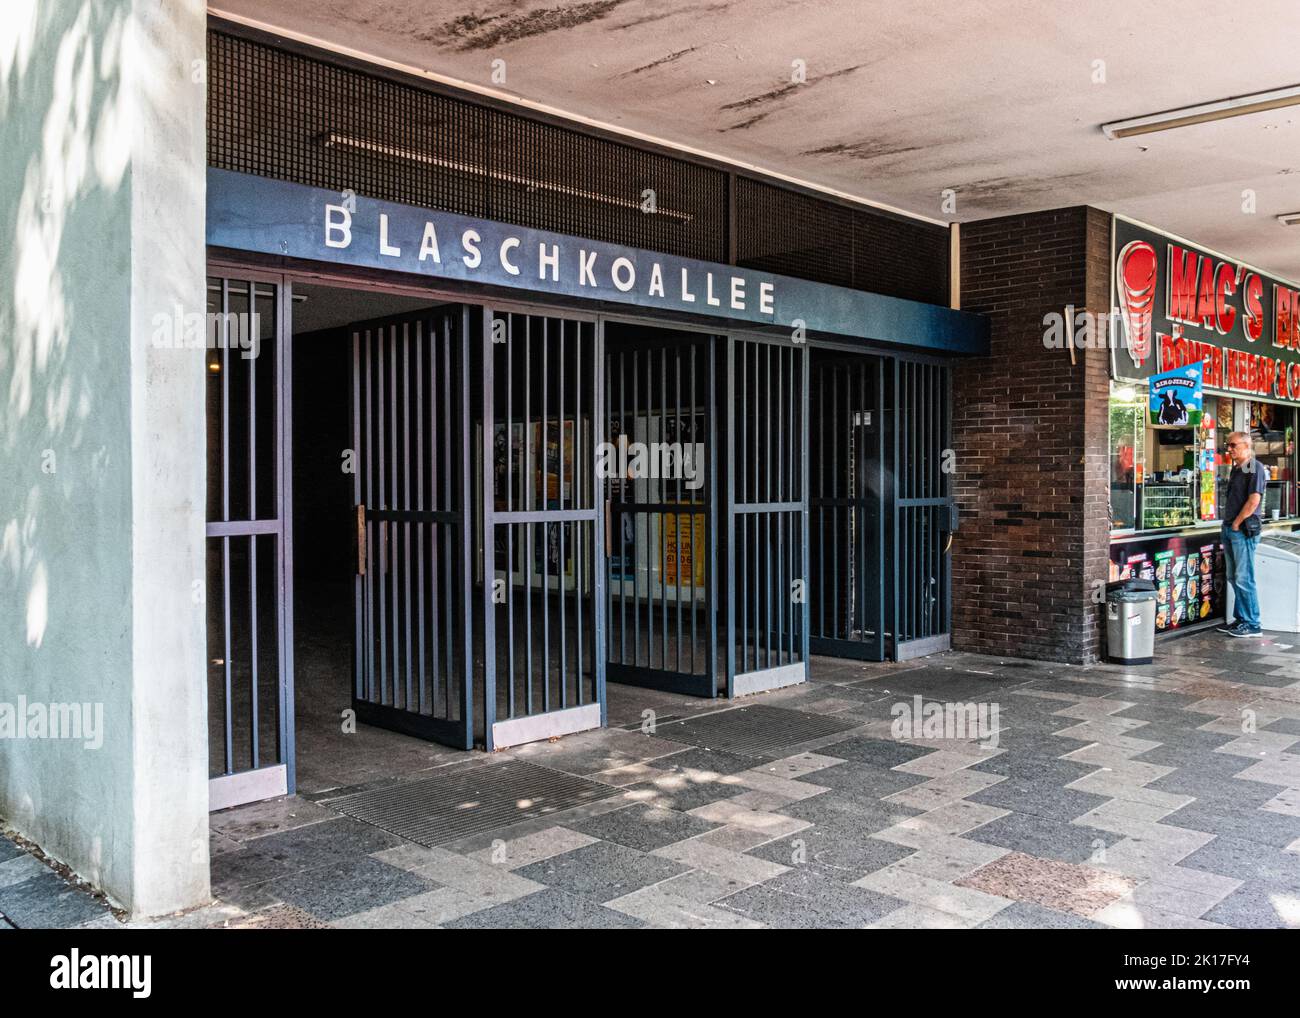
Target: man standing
x=1242, y=522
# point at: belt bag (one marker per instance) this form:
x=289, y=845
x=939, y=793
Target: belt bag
x=1251, y=526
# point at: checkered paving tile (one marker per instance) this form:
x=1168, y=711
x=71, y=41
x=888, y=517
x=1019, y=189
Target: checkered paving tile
x=880, y=795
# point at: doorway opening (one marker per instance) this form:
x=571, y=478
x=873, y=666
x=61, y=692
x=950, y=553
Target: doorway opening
x=466, y=522
x=379, y=533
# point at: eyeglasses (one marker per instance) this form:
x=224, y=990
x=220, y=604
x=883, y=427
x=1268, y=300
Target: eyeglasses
x=1231, y=444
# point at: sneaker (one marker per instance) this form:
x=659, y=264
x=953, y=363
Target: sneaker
x=1227, y=627
x=1241, y=629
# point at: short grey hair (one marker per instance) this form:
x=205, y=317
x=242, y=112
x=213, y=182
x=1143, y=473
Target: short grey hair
x=1245, y=436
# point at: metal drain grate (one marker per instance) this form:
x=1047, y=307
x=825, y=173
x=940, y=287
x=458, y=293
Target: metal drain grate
x=756, y=730
x=472, y=800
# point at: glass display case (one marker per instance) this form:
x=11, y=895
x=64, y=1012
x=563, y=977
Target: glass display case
x=1170, y=493
x=1167, y=505
x=1165, y=478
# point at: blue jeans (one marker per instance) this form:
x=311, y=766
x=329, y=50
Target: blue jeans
x=1239, y=560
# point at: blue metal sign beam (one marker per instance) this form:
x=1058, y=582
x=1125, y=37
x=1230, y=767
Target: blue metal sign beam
x=250, y=213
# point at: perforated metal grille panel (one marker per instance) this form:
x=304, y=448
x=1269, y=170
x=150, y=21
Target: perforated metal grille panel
x=293, y=116
x=757, y=730
x=794, y=234
x=279, y=114
x=458, y=802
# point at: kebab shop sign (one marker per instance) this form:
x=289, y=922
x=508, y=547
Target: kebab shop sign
x=1179, y=305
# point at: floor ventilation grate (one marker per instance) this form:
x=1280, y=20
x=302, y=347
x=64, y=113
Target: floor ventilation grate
x=757, y=730
x=471, y=800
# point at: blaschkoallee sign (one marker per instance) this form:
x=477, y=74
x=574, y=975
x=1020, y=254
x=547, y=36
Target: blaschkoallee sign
x=1181, y=305
x=251, y=213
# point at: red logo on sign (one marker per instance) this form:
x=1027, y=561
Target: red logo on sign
x=1136, y=276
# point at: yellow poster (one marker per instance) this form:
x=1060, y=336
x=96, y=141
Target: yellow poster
x=691, y=544
x=1208, y=510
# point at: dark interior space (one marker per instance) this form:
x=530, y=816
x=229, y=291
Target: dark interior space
x=332, y=751
x=847, y=477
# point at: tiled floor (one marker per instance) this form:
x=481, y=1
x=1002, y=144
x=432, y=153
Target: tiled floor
x=1159, y=796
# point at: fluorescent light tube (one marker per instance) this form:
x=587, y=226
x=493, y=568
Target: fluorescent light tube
x=335, y=140
x=1224, y=109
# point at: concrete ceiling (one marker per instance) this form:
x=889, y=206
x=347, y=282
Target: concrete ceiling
x=995, y=99
x=328, y=307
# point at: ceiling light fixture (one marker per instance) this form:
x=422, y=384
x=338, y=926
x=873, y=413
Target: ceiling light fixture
x=1224, y=109
x=334, y=140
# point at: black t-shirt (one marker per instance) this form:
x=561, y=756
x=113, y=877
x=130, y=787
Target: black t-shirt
x=1242, y=483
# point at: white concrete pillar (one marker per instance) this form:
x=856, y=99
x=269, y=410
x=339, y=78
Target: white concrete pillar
x=102, y=487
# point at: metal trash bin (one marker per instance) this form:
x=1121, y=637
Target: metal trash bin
x=1130, y=622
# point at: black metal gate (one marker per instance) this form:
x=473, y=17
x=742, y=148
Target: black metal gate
x=414, y=633
x=249, y=582
x=659, y=479
x=542, y=550
x=921, y=507
x=767, y=520
x=847, y=475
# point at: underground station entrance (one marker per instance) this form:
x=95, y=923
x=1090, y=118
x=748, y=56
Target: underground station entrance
x=436, y=526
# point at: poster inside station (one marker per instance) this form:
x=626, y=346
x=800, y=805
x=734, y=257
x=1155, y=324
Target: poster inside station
x=1178, y=304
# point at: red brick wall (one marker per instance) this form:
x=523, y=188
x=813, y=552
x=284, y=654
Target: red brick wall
x=1029, y=430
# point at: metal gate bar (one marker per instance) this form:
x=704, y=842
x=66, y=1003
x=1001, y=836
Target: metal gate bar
x=414, y=634
x=250, y=685
x=846, y=466
x=660, y=393
x=921, y=508
x=542, y=418
x=767, y=520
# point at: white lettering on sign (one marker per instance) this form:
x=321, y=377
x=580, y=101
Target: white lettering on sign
x=732, y=291
x=429, y=245
x=709, y=299
x=552, y=259
x=737, y=293
x=627, y=279
x=656, y=281
x=338, y=226
x=586, y=268
x=473, y=257
x=506, y=263
x=385, y=248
